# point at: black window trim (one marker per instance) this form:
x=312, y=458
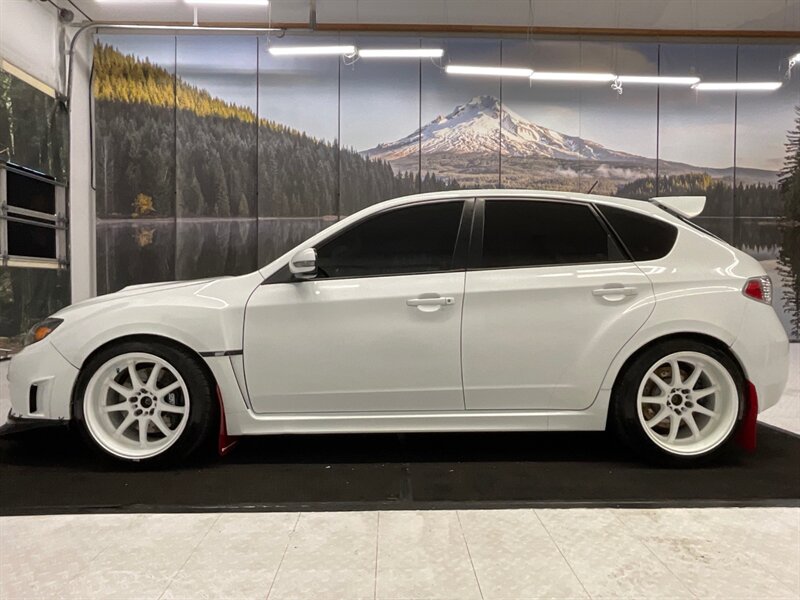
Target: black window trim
x=283, y=275
x=476, y=243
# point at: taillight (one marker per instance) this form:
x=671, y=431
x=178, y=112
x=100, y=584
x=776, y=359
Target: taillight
x=759, y=288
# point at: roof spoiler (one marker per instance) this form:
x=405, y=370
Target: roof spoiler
x=687, y=206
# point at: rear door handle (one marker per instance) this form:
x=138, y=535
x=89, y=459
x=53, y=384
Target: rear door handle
x=615, y=292
x=435, y=301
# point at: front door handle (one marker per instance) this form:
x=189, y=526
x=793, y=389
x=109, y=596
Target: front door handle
x=615, y=293
x=433, y=301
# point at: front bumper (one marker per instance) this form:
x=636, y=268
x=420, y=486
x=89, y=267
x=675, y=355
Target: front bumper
x=20, y=425
x=41, y=382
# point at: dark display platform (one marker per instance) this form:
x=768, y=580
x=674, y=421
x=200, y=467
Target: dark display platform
x=49, y=472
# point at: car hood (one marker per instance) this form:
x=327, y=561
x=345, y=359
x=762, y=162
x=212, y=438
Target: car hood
x=175, y=287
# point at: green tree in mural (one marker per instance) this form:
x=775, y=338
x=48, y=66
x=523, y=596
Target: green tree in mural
x=159, y=136
x=753, y=200
x=790, y=173
x=789, y=254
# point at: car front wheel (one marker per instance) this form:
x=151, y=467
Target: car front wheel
x=679, y=402
x=145, y=403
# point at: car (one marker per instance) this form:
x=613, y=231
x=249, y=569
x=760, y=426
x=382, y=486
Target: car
x=466, y=310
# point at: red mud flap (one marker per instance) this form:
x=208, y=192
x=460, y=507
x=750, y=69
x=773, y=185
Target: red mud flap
x=746, y=438
x=225, y=441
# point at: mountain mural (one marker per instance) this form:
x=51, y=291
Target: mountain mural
x=473, y=127
x=481, y=129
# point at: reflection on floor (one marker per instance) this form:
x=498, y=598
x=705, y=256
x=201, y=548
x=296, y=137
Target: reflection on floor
x=525, y=553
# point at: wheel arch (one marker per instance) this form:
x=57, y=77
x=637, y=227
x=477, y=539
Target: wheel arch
x=693, y=335
x=143, y=338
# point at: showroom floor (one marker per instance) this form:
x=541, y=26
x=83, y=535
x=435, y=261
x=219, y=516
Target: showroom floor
x=522, y=553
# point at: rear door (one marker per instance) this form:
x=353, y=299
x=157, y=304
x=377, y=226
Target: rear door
x=550, y=299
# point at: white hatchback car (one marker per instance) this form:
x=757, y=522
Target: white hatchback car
x=482, y=310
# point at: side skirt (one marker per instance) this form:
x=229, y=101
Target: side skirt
x=591, y=419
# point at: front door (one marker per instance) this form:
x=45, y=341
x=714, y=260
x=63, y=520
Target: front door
x=378, y=329
x=549, y=302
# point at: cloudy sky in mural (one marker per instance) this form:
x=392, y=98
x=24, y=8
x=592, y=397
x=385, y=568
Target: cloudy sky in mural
x=381, y=99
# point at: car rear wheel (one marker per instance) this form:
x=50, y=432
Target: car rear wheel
x=145, y=403
x=679, y=402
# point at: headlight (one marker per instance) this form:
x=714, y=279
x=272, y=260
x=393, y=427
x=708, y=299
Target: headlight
x=41, y=330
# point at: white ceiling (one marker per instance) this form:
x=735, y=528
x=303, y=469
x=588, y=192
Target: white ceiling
x=762, y=15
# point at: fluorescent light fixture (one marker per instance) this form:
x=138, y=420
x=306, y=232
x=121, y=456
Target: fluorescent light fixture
x=556, y=76
x=658, y=79
x=795, y=59
x=494, y=71
x=194, y=28
x=310, y=50
x=401, y=52
x=230, y=2
x=738, y=86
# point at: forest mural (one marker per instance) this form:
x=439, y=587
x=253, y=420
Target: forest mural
x=214, y=157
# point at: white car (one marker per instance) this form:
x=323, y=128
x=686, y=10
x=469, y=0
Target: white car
x=482, y=310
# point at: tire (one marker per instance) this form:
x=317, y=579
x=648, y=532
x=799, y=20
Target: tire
x=679, y=423
x=125, y=414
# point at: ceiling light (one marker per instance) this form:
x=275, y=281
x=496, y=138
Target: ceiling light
x=494, y=71
x=308, y=50
x=554, y=76
x=401, y=52
x=230, y=2
x=660, y=80
x=741, y=86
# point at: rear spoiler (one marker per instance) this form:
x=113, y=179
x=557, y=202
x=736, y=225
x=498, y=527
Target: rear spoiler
x=687, y=206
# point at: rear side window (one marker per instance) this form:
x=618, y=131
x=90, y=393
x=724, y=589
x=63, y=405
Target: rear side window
x=529, y=233
x=644, y=237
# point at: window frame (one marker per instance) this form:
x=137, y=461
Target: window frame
x=476, y=238
x=14, y=214
x=460, y=252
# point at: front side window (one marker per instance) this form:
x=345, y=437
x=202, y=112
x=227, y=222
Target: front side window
x=413, y=239
x=530, y=233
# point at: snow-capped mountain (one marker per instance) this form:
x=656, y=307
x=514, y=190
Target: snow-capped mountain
x=473, y=128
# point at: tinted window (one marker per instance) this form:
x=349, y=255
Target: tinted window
x=416, y=239
x=30, y=193
x=520, y=233
x=644, y=237
x=29, y=240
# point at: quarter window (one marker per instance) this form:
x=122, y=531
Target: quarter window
x=414, y=239
x=529, y=233
x=645, y=238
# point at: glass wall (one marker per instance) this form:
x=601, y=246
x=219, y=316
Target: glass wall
x=33, y=141
x=263, y=150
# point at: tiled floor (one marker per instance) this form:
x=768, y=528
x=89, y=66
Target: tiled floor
x=574, y=553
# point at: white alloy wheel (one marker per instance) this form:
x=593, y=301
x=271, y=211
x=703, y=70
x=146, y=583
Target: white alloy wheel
x=136, y=405
x=687, y=403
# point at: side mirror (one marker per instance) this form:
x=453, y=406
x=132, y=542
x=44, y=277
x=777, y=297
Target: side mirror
x=303, y=265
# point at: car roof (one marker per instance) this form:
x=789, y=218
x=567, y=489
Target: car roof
x=488, y=194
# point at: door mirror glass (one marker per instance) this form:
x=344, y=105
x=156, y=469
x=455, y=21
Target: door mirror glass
x=303, y=265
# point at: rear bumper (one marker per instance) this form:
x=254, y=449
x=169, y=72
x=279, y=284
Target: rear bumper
x=41, y=382
x=763, y=350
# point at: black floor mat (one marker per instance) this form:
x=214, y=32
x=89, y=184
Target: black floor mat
x=49, y=471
